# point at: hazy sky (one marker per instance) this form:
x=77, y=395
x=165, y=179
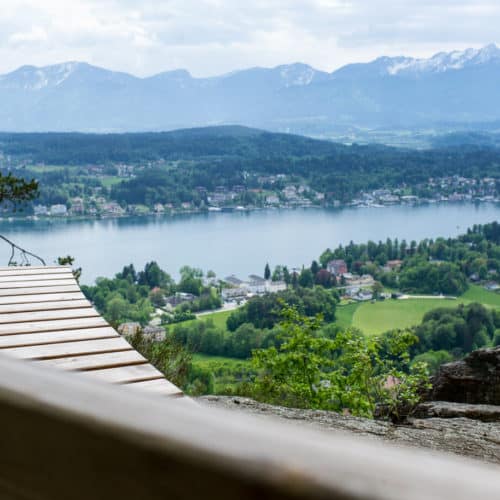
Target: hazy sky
x=210, y=37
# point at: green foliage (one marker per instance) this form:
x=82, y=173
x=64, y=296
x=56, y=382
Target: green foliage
x=205, y=337
x=264, y=312
x=153, y=277
x=346, y=372
x=123, y=298
x=16, y=189
x=69, y=261
x=191, y=280
x=458, y=331
x=433, y=359
x=168, y=356
x=426, y=277
x=220, y=375
x=267, y=272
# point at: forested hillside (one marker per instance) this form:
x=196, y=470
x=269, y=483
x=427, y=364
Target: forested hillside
x=228, y=156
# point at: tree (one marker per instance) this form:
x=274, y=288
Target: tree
x=306, y=278
x=377, y=289
x=157, y=297
x=315, y=268
x=267, y=272
x=325, y=279
x=16, y=190
x=346, y=372
x=116, y=309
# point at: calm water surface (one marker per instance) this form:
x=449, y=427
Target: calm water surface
x=239, y=243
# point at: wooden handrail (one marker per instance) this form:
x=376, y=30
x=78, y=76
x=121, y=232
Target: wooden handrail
x=65, y=436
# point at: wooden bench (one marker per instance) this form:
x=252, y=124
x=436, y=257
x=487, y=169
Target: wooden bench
x=45, y=318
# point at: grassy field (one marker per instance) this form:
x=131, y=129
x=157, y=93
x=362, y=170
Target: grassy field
x=219, y=319
x=206, y=360
x=345, y=314
x=379, y=317
x=40, y=169
x=110, y=181
x=479, y=294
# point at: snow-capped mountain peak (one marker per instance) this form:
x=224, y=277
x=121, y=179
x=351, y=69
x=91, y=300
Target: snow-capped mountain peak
x=296, y=74
x=444, y=61
x=33, y=78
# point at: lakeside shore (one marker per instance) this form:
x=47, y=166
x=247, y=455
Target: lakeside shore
x=218, y=210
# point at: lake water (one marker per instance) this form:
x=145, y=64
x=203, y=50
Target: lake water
x=237, y=242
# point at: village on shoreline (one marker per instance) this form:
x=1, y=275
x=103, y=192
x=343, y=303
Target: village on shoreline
x=276, y=192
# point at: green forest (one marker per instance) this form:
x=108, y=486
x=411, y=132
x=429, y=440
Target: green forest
x=180, y=162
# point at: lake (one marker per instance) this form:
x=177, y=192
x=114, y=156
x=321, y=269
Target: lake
x=237, y=242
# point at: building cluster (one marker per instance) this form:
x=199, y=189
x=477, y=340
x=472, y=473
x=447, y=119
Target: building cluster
x=237, y=289
x=353, y=286
x=444, y=189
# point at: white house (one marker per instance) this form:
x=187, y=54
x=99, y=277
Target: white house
x=58, y=210
x=275, y=286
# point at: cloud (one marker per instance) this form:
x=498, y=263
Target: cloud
x=210, y=37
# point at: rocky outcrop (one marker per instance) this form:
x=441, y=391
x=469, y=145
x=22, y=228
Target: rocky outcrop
x=461, y=414
x=459, y=435
x=473, y=380
x=445, y=409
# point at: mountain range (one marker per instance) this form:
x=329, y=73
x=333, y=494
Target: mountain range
x=459, y=87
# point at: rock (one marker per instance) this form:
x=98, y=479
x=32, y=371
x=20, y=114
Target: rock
x=473, y=380
x=445, y=409
x=462, y=436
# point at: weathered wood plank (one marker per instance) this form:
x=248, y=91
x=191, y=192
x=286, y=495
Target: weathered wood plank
x=126, y=374
x=39, y=290
x=44, y=306
x=159, y=386
x=33, y=270
x=56, y=337
x=45, y=298
x=37, y=283
x=67, y=349
x=48, y=315
x=97, y=361
x=53, y=325
x=35, y=277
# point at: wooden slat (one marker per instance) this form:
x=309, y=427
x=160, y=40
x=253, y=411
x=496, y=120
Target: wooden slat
x=69, y=349
x=29, y=317
x=39, y=290
x=159, y=386
x=46, y=297
x=45, y=318
x=56, y=337
x=126, y=374
x=34, y=270
x=37, y=283
x=51, y=326
x=36, y=277
x=97, y=361
x=44, y=306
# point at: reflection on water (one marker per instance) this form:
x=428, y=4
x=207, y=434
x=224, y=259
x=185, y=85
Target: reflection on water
x=238, y=242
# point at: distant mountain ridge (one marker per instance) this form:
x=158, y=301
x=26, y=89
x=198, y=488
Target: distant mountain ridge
x=455, y=87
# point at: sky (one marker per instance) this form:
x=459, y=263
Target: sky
x=212, y=37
